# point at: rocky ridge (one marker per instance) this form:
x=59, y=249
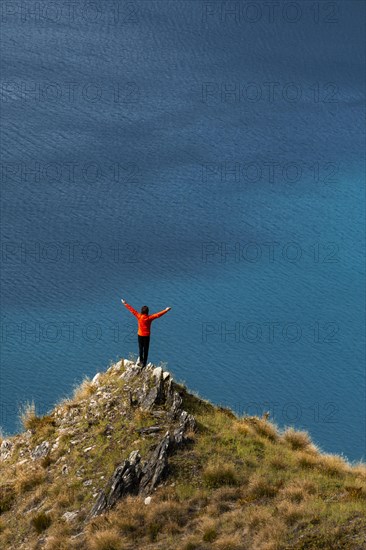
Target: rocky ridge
x=133, y=476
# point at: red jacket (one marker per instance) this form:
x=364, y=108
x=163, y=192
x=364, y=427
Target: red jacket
x=144, y=321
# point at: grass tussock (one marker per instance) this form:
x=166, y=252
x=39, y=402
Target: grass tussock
x=7, y=496
x=228, y=542
x=41, y=521
x=259, y=486
x=28, y=416
x=262, y=427
x=85, y=390
x=28, y=478
x=109, y=539
x=220, y=473
x=297, y=440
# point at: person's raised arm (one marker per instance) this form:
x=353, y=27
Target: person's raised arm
x=156, y=315
x=129, y=307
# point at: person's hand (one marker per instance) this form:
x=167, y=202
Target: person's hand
x=168, y=308
x=123, y=301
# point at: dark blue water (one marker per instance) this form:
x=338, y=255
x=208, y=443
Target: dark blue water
x=180, y=153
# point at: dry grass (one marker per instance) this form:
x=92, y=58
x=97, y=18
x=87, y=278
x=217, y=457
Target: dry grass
x=270, y=536
x=27, y=415
x=41, y=521
x=296, y=439
x=278, y=462
x=238, y=484
x=28, y=478
x=84, y=390
x=306, y=460
x=209, y=529
x=109, y=539
x=218, y=473
x=333, y=465
x=259, y=486
x=7, y=496
x=262, y=427
x=297, y=490
x=291, y=512
x=228, y=542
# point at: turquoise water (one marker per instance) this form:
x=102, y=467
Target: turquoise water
x=199, y=161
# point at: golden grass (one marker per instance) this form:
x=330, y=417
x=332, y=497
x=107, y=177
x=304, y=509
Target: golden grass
x=209, y=529
x=27, y=415
x=262, y=427
x=333, y=465
x=240, y=483
x=41, y=521
x=218, y=473
x=259, y=486
x=228, y=542
x=109, y=539
x=297, y=490
x=7, y=496
x=28, y=478
x=84, y=390
x=296, y=439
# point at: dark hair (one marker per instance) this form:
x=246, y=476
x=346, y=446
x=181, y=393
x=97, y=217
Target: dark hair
x=145, y=309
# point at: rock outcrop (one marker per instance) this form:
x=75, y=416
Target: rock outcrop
x=133, y=476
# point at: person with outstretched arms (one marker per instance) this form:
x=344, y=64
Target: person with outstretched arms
x=143, y=332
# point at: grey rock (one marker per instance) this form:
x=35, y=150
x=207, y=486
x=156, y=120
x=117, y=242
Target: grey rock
x=124, y=481
x=41, y=450
x=69, y=516
x=175, y=408
x=132, y=476
x=6, y=449
x=155, y=468
x=157, y=373
x=149, y=430
x=186, y=422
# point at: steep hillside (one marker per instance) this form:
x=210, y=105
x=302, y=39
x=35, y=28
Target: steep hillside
x=134, y=460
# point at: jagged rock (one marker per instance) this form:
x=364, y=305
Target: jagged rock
x=168, y=388
x=154, y=469
x=125, y=480
x=153, y=397
x=6, y=449
x=147, y=500
x=157, y=372
x=149, y=430
x=148, y=396
x=131, y=476
x=186, y=422
x=41, y=450
x=176, y=405
x=131, y=372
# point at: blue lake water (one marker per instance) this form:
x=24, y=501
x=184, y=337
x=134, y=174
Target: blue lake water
x=207, y=156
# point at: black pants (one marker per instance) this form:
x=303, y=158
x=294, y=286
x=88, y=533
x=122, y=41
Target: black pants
x=144, y=342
